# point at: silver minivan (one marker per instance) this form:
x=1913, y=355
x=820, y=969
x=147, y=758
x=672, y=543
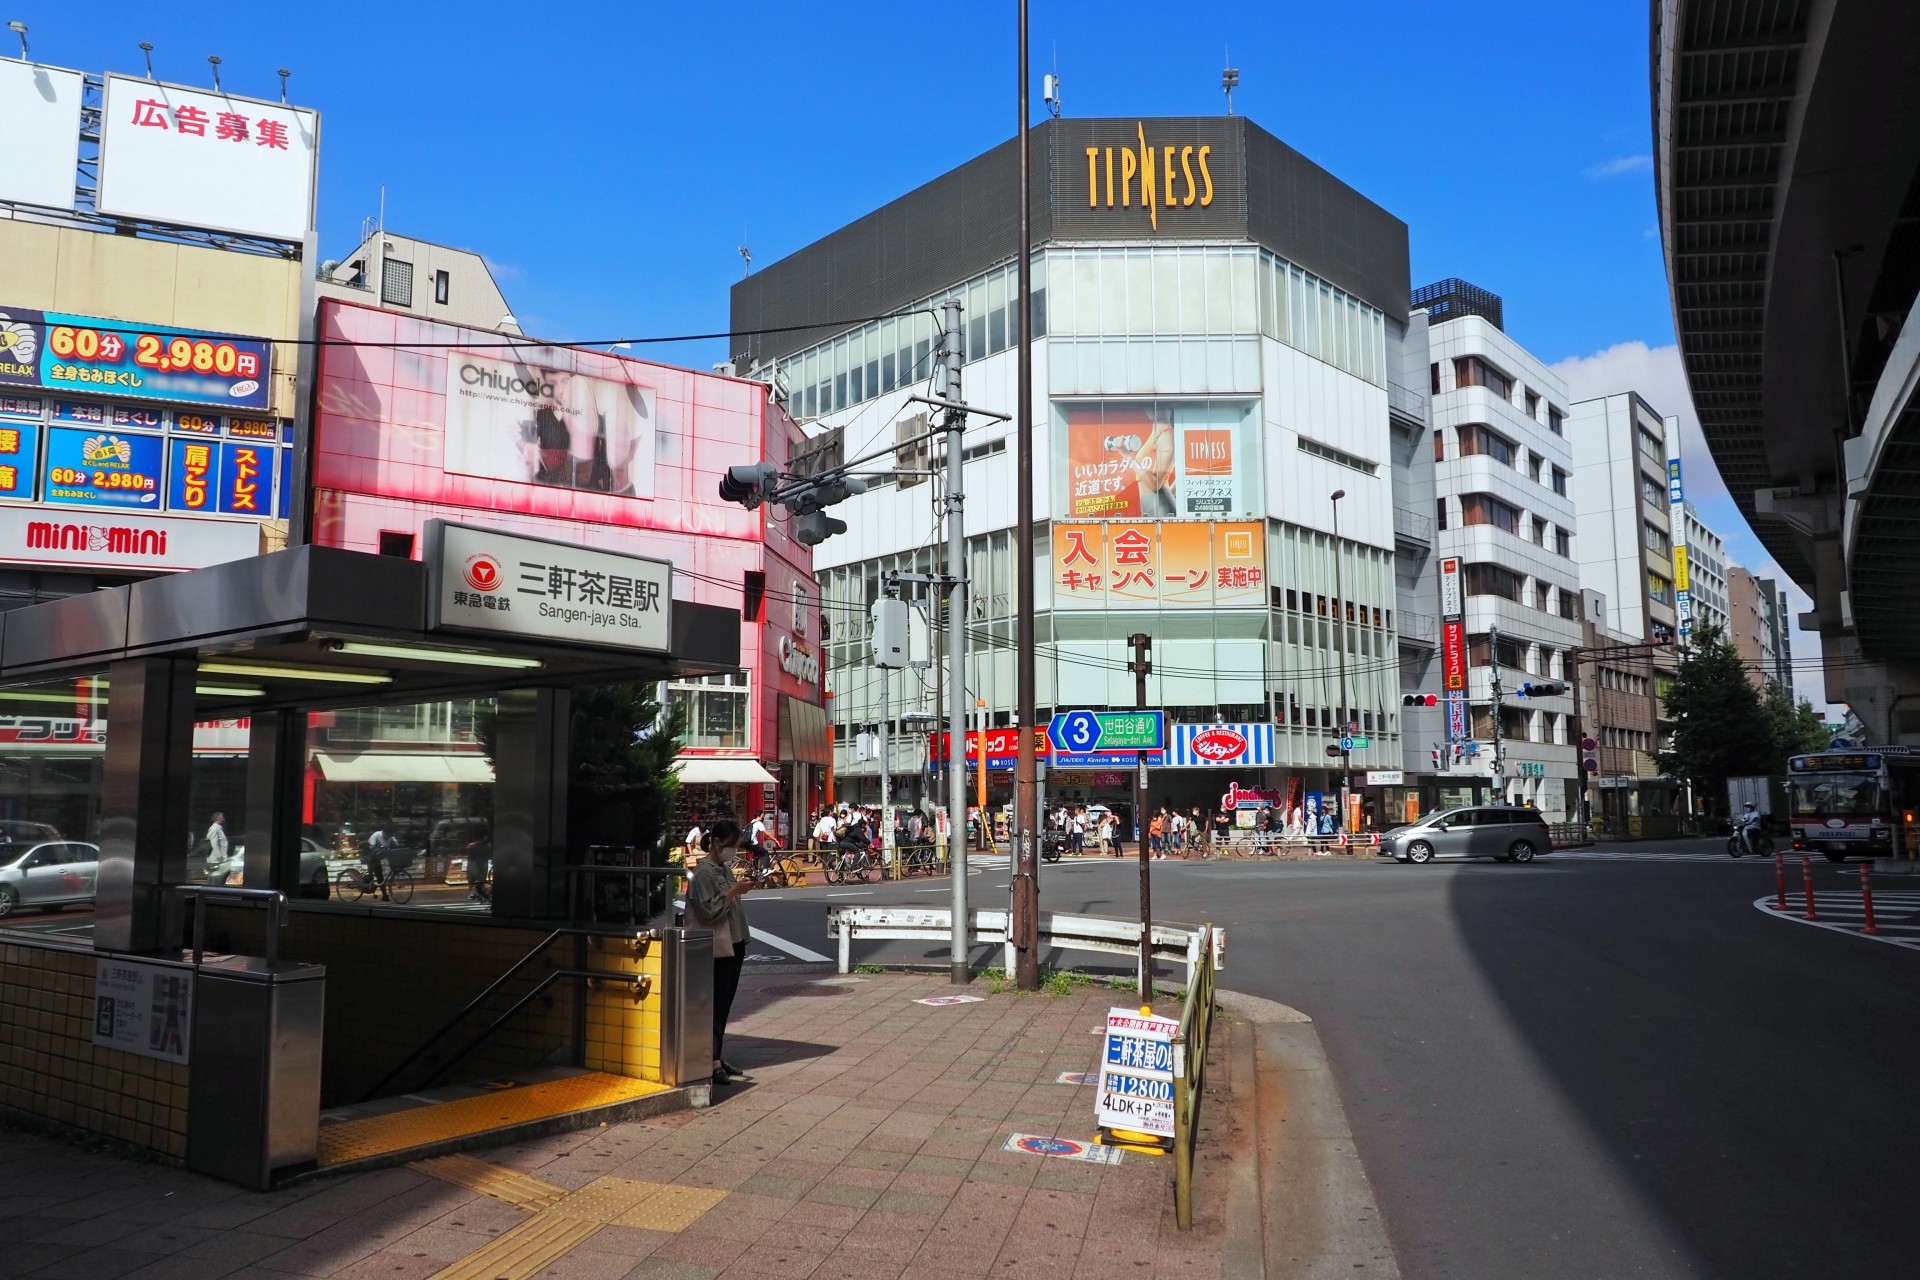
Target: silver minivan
x=1504, y=833
x=48, y=874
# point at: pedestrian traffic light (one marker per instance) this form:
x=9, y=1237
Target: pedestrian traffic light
x=1436, y=759
x=1546, y=689
x=1419, y=700
x=748, y=484
x=1333, y=749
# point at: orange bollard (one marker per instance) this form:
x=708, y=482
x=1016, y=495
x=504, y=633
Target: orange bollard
x=1806, y=881
x=1866, y=896
x=1779, y=881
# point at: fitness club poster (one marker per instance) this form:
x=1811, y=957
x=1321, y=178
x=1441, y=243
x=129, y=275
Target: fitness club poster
x=1133, y=459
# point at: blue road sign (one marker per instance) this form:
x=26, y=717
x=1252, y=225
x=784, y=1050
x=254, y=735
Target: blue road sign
x=1084, y=732
x=1074, y=731
x=1346, y=744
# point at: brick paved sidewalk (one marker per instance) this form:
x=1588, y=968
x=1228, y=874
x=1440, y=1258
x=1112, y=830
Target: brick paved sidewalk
x=868, y=1147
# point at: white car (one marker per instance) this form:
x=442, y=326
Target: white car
x=313, y=868
x=48, y=874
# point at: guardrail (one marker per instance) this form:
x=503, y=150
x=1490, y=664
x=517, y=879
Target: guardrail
x=1189, y=1074
x=1070, y=933
x=1569, y=835
x=272, y=899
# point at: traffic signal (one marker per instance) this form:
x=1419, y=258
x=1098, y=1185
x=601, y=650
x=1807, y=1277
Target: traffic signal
x=1419, y=700
x=748, y=484
x=811, y=524
x=1436, y=759
x=1333, y=749
x=1546, y=689
x=811, y=528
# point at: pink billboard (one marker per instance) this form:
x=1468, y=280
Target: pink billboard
x=594, y=449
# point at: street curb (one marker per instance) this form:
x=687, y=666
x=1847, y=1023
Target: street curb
x=1303, y=1207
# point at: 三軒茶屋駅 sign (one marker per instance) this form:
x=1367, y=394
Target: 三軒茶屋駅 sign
x=531, y=588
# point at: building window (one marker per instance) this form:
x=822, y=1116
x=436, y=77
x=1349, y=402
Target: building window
x=1540, y=596
x=1539, y=532
x=396, y=283
x=1658, y=588
x=1439, y=446
x=1657, y=541
x=1481, y=508
x=1651, y=446
x=1478, y=439
x=1533, y=405
x=714, y=710
x=1567, y=608
x=1556, y=421
x=1562, y=541
x=1440, y=513
x=1494, y=580
x=1434, y=370
x=1560, y=482
x=1652, y=492
x=441, y=285
x=1339, y=456
x=1480, y=655
x=1472, y=371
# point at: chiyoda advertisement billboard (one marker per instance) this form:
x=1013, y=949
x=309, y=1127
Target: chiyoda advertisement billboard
x=171, y=154
x=531, y=424
x=1129, y=459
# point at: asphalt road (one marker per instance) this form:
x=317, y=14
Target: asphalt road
x=1588, y=1067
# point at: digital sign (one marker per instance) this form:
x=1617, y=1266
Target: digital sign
x=60, y=352
x=1833, y=763
x=102, y=469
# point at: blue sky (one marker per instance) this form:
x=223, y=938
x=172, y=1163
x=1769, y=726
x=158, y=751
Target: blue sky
x=610, y=158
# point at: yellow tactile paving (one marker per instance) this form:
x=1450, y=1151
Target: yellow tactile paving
x=519, y=1189
x=524, y=1251
x=437, y=1122
x=627, y=1202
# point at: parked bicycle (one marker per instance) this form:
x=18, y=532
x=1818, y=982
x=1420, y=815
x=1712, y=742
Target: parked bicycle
x=917, y=858
x=850, y=860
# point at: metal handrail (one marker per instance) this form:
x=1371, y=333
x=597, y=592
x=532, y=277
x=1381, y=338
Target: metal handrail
x=1189, y=1073
x=276, y=917
x=575, y=872
x=539, y=949
x=640, y=982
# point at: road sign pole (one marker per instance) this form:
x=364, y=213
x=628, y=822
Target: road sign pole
x=1143, y=665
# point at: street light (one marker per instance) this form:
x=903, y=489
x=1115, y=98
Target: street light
x=1340, y=616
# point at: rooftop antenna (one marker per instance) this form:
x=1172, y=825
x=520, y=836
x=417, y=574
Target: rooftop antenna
x=1230, y=80
x=746, y=259
x=1050, y=86
x=283, y=74
x=20, y=29
x=213, y=59
x=146, y=51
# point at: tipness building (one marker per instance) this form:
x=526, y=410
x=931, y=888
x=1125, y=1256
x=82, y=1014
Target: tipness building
x=1221, y=342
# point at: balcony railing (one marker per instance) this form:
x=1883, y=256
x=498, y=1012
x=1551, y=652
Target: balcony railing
x=1417, y=628
x=1409, y=402
x=1411, y=526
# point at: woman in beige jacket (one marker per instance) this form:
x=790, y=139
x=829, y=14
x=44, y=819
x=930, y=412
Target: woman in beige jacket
x=713, y=902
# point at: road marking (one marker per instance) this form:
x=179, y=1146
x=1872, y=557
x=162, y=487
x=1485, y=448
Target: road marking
x=853, y=893
x=793, y=949
x=1842, y=912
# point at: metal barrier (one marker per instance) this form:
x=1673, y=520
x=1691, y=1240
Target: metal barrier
x=274, y=900
x=1569, y=835
x=1189, y=1074
x=1070, y=933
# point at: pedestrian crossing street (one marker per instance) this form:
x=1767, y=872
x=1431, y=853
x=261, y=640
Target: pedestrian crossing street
x=1896, y=912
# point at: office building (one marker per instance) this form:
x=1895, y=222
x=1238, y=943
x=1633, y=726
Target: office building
x=1221, y=333
x=1505, y=513
x=1701, y=572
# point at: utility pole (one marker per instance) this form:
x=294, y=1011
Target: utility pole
x=1346, y=637
x=1577, y=732
x=1026, y=876
x=886, y=778
x=1142, y=666
x=1499, y=746
x=956, y=421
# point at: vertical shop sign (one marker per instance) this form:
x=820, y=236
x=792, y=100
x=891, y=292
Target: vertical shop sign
x=246, y=479
x=195, y=476
x=19, y=446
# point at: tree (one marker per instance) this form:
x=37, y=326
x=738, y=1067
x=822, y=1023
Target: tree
x=1797, y=730
x=1722, y=729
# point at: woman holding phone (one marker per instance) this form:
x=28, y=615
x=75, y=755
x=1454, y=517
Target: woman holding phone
x=713, y=902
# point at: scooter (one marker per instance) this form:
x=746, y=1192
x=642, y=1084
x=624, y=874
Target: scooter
x=1762, y=843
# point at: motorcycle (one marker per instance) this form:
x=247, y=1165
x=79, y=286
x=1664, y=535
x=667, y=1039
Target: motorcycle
x=1761, y=842
x=1052, y=847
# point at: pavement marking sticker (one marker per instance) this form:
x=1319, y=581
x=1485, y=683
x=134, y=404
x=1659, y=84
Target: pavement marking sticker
x=512, y=1186
x=945, y=1000
x=1039, y=1144
x=793, y=949
x=1845, y=914
x=1074, y=1077
x=836, y=982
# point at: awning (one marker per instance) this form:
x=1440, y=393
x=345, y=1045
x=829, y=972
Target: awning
x=740, y=770
x=385, y=766
x=803, y=732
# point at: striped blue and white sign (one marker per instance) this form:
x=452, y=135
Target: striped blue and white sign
x=1242, y=746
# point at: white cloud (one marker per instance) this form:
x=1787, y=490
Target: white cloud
x=1618, y=167
x=1661, y=379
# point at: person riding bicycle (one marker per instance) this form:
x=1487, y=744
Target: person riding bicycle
x=374, y=856
x=1748, y=827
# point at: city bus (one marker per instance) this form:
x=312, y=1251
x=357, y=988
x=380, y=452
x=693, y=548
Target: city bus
x=1854, y=802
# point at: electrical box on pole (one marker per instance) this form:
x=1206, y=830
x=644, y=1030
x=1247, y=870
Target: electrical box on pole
x=892, y=639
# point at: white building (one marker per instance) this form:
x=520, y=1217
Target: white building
x=1701, y=590
x=1503, y=469
x=1624, y=541
x=1210, y=367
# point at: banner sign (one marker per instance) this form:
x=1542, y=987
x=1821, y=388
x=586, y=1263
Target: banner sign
x=41, y=106
x=200, y=159
x=102, y=469
x=1451, y=604
x=1001, y=744
x=1155, y=565
x=1676, y=492
x=1136, y=1073
x=121, y=541
x=233, y=479
x=1138, y=459
x=1456, y=716
x=1453, y=655
x=532, y=424
x=1220, y=745
x=63, y=352
x=531, y=588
